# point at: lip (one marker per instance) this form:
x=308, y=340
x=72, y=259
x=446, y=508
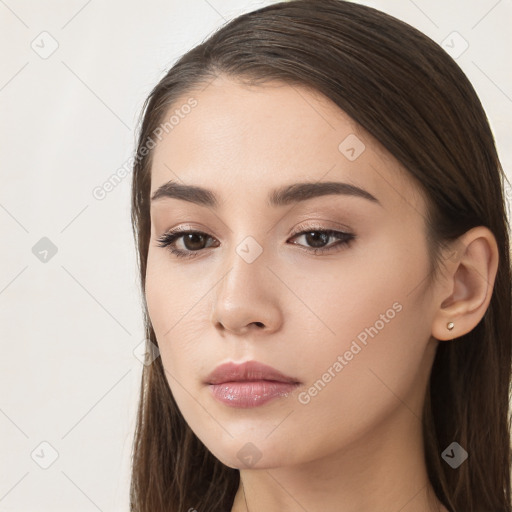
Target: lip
x=247, y=372
x=250, y=393
x=249, y=384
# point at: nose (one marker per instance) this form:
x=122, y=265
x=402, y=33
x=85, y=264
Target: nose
x=247, y=298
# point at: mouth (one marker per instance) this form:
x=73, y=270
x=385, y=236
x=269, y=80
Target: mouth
x=249, y=384
x=250, y=371
x=246, y=394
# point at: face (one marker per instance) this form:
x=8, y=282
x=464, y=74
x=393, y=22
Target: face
x=327, y=286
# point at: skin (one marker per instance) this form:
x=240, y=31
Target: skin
x=356, y=446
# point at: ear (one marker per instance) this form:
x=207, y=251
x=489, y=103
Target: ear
x=466, y=287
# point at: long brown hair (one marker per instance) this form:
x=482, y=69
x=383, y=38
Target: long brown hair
x=404, y=90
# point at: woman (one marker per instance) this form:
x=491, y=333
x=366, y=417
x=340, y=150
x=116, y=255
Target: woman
x=320, y=220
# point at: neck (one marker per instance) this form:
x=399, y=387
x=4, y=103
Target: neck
x=383, y=470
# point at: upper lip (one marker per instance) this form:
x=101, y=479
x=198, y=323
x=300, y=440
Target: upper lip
x=248, y=371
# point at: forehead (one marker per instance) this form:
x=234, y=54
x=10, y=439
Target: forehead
x=241, y=141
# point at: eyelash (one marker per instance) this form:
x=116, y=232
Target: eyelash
x=167, y=239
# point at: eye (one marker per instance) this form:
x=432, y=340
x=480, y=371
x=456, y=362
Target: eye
x=318, y=238
x=193, y=242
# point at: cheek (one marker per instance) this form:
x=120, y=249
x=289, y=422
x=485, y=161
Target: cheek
x=167, y=300
x=179, y=312
x=359, y=381
x=338, y=302
x=172, y=294
x=369, y=355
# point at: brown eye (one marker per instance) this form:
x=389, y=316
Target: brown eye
x=193, y=242
x=317, y=239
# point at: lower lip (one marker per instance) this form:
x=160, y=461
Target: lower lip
x=250, y=394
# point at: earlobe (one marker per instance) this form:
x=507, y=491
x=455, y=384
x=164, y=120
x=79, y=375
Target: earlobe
x=465, y=290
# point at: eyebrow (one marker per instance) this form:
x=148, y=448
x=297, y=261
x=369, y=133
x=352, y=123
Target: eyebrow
x=282, y=196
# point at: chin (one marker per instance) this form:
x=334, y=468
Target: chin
x=248, y=455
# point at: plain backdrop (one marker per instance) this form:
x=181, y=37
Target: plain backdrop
x=73, y=78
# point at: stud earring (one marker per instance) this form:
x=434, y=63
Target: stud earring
x=450, y=326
